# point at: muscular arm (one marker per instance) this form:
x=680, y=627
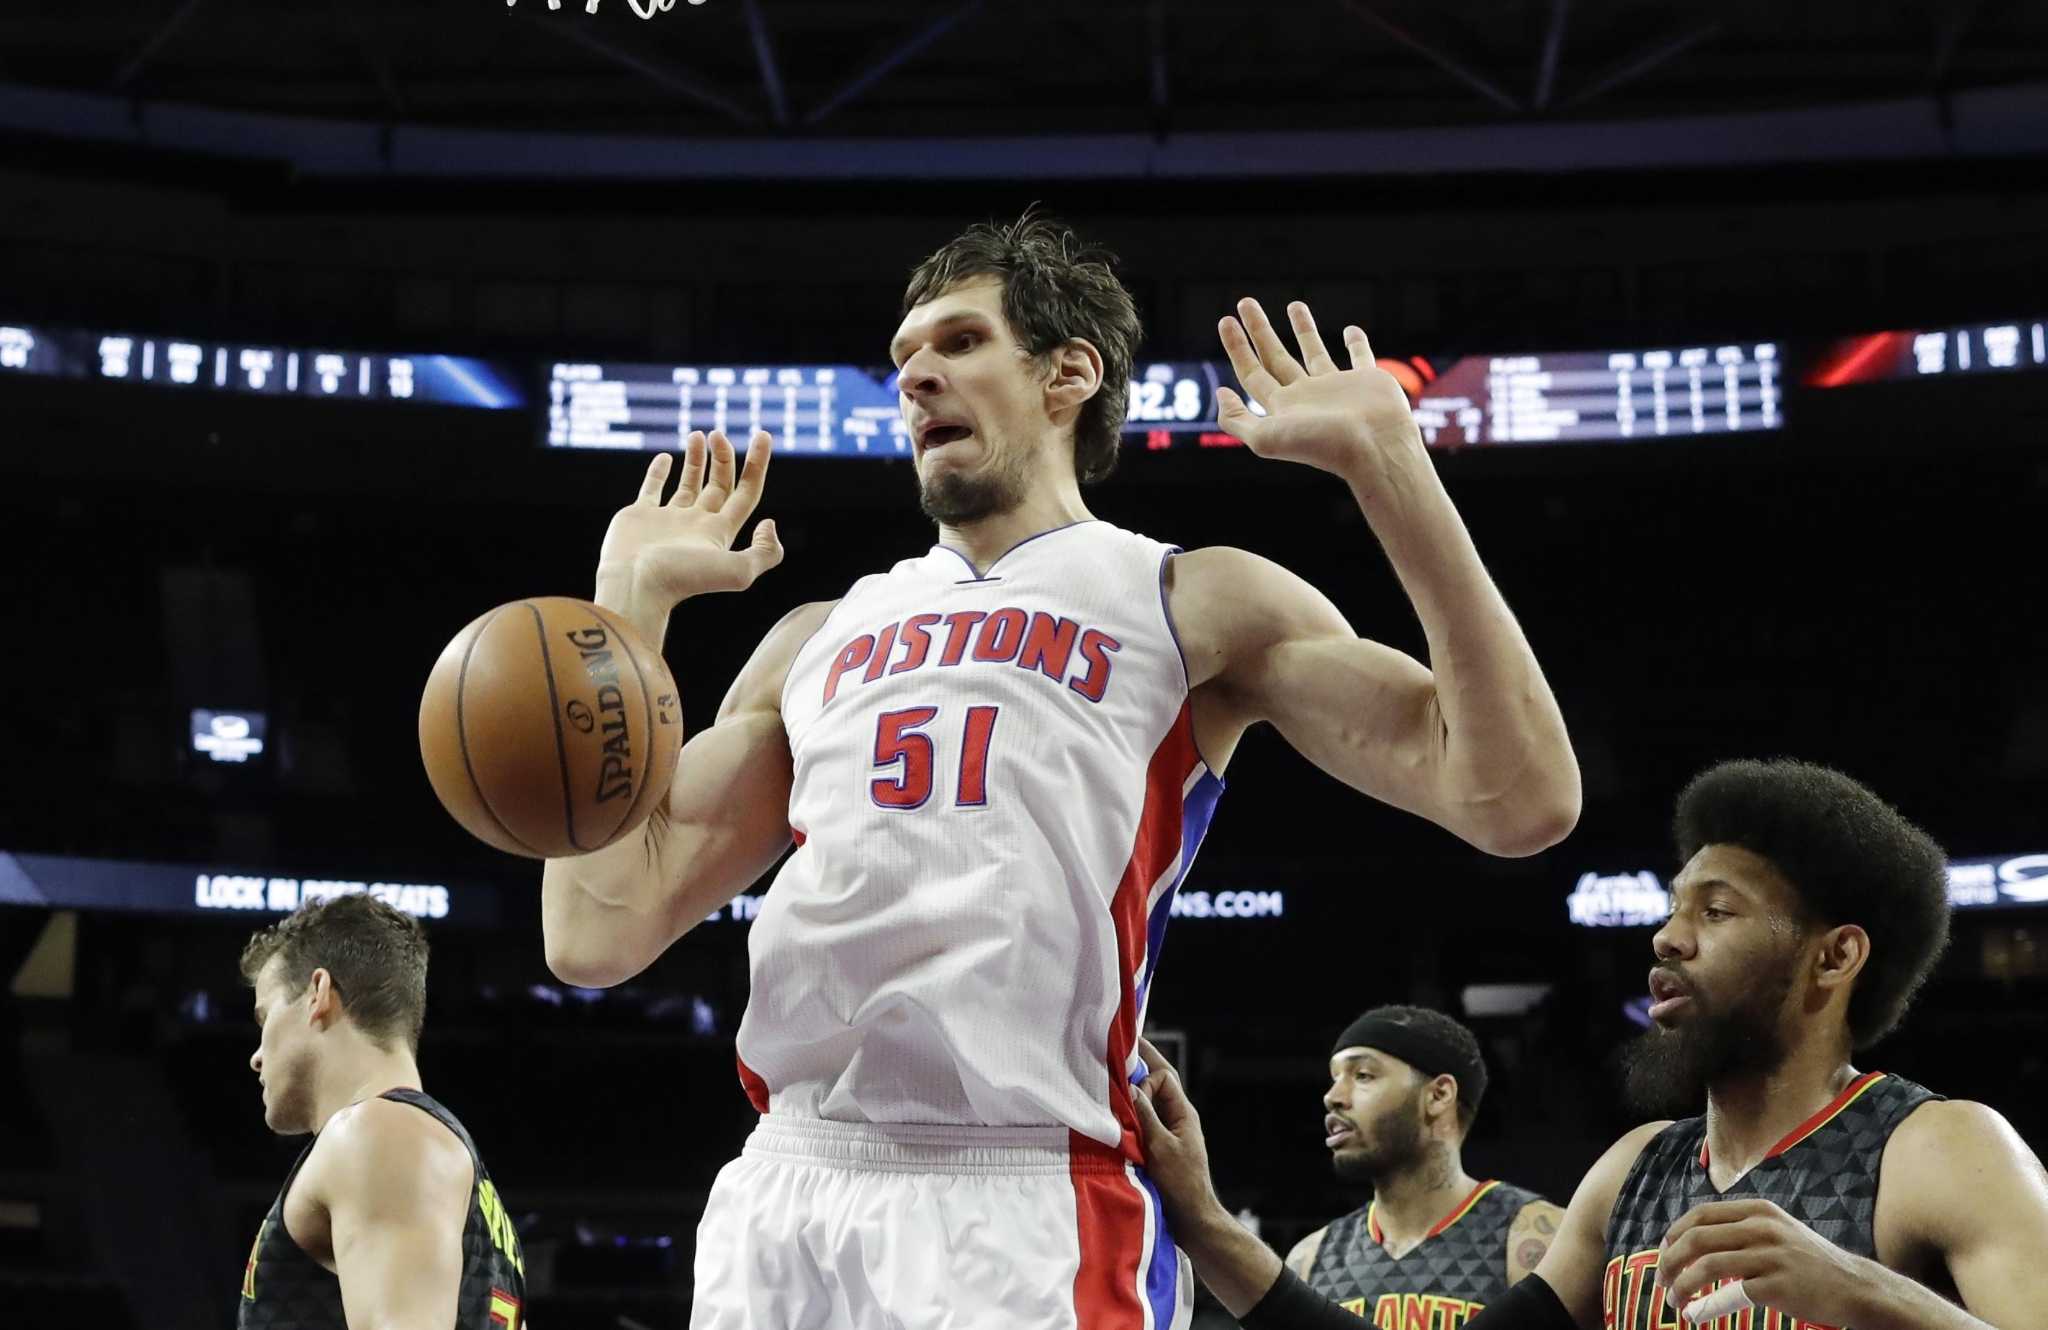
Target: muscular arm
x=1474, y=742
x=606, y=916
x=1577, y=1257
x=1530, y=1236
x=1960, y=1186
x=396, y=1187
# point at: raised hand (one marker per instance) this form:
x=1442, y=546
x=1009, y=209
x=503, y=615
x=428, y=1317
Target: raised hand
x=682, y=548
x=1340, y=420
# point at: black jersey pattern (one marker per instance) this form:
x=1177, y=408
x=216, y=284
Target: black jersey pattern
x=1824, y=1174
x=1456, y=1270
x=285, y=1289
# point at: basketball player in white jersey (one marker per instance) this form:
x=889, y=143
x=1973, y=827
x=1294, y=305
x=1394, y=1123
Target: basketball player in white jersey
x=996, y=762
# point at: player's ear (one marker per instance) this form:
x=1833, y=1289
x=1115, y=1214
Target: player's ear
x=1076, y=375
x=323, y=1000
x=1843, y=952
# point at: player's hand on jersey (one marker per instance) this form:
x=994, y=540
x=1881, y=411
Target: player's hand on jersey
x=1783, y=1264
x=1176, y=1156
x=684, y=547
x=1348, y=420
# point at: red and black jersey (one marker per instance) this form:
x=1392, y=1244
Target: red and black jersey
x=285, y=1289
x=1447, y=1278
x=1824, y=1174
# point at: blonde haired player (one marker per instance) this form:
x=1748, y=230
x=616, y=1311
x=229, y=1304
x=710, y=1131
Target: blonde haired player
x=996, y=762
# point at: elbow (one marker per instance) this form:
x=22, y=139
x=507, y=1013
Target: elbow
x=1532, y=824
x=583, y=966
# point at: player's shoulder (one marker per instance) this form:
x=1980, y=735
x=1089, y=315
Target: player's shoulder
x=1535, y=1211
x=1301, y=1257
x=1943, y=1142
x=375, y=1141
x=759, y=682
x=1612, y=1168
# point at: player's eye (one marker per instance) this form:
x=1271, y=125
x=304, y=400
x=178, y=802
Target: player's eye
x=964, y=341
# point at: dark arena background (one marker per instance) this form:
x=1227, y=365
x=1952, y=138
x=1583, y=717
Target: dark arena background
x=326, y=326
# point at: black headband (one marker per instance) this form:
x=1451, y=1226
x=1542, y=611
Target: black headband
x=1419, y=1048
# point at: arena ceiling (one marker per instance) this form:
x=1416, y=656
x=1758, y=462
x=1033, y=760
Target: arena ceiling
x=831, y=68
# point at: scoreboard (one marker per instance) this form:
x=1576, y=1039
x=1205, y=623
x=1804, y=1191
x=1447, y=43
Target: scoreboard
x=1597, y=396
x=196, y=365
x=844, y=410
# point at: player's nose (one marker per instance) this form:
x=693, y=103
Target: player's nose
x=920, y=375
x=256, y=1062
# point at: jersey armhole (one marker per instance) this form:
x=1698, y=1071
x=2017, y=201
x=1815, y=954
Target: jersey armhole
x=1187, y=690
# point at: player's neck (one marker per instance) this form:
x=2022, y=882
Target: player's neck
x=1045, y=507
x=1408, y=1204
x=1748, y=1116
x=365, y=1076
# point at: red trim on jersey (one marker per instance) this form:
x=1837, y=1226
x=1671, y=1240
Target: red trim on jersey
x=757, y=1089
x=1110, y=1223
x=1154, y=846
x=1463, y=1208
x=1850, y=1094
x=798, y=837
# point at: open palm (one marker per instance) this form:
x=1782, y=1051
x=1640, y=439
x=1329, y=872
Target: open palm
x=683, y=547
x=1314, y=411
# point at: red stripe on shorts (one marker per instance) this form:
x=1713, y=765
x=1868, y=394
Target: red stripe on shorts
x=1110, y=1220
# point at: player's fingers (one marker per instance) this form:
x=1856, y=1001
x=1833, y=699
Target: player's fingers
x=1359, y=346
x=1244, y=361
x=1273, y=352
x=1154, y=1059
x=656, y=477
x=1726, y=1300
x=1315, y=357
x=720, y=471
x=693, y=471
x=1236, y=418
x=747, y=492
x=764, y=551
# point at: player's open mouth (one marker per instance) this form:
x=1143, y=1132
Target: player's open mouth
x=938, y=436
x=1339, y=1132
x=1667, y=994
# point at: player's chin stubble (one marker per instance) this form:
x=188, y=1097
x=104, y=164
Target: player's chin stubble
x=952, y=498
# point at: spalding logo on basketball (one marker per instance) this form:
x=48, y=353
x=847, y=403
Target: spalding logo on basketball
x=548, y=729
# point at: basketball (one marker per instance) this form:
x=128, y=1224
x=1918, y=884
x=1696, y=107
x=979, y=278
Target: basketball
x=548, y=729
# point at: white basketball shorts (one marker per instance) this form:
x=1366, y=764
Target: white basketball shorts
x=874, y=1227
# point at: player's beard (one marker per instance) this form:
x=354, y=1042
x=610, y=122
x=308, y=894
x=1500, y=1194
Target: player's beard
x=1389, y=1146
x=1667, y=1072
x=955, y=498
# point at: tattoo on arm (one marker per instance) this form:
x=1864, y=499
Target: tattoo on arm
x=1545, y=1225
x=1530, y=1254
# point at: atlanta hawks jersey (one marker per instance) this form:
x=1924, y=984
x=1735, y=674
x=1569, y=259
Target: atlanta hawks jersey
x=996, y=793
x=1824, y=1174
x=1448, y=1278
x=285, y=1289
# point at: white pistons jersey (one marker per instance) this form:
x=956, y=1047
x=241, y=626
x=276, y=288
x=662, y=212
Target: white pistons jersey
x=996, y=793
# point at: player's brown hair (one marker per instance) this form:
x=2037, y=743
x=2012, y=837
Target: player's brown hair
x=1057, y=288
x=374, y=955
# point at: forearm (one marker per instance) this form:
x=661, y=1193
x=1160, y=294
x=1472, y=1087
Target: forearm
x=599, y=910
x=1890, y=1301
x=1505, y=756
x=1237, y=1267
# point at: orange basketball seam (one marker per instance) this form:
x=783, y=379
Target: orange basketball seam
x=547, y=668
x=462, y=734
x=647, y=704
